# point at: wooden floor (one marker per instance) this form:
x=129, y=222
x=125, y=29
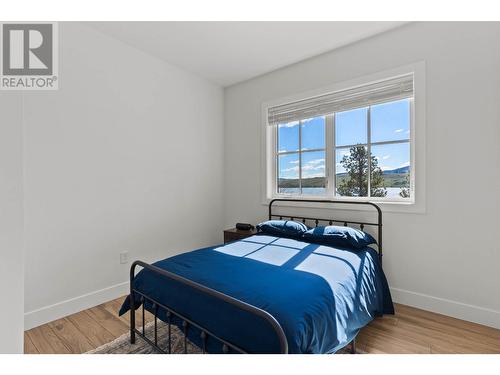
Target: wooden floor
x=409, y=331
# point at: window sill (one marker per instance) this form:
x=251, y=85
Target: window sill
x=392, y=207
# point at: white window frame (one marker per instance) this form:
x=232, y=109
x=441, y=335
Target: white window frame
x=415, y=204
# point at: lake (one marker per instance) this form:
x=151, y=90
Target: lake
x=392, y=192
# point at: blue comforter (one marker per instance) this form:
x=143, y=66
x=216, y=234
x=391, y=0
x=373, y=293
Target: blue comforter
x=320, y=295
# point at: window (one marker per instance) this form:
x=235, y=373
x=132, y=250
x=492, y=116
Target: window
x=349, y=144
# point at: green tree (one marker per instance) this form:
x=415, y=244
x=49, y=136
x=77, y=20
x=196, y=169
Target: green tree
x=405, y=190
x=356, y=182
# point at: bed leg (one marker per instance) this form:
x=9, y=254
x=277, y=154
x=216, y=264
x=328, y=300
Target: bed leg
x=353, y=346
x=132, y=319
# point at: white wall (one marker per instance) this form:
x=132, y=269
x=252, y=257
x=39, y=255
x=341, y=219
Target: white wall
x=447, y=259
x=11, y=223
x=126, y=156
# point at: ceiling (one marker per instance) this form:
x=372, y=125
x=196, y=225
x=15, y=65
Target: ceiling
x=230, y=52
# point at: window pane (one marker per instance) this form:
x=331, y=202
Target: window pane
x=313, y=173
x=351, y=172
x=313, y=133
x=288, y=137
x=288, y=173
x=391, y=170
x=350, y=127
x=390, y=121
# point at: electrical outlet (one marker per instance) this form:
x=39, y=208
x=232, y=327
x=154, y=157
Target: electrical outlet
x=124, y=257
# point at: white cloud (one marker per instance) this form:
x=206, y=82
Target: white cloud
x=289, y=124
x=305, y=121
x=313, y=167
x=398, y=130
x=308, y=169
x=385, y=157
x=295, y=123
x=291, y=169
x=316, y=161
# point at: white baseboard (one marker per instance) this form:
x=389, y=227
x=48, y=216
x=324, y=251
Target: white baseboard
x=448, y=307
x=59, y=310
x=443, y=306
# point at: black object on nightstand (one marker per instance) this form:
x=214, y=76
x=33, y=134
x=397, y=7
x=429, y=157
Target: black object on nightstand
x=234, y=234
x=244, y=226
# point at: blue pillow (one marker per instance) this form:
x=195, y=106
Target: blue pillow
x=334, y=235
x=282, y=228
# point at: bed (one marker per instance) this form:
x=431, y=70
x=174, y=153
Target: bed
x=265, y=294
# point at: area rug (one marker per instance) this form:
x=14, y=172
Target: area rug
x=122, y=344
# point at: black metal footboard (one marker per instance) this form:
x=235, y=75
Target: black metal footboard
x=188, y=323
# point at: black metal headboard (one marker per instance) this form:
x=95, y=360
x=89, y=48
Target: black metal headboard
x=332, y=221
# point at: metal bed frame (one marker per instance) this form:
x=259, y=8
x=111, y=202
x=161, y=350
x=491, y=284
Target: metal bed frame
x=187, y=323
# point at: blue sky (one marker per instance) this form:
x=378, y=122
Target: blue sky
x=389, y=122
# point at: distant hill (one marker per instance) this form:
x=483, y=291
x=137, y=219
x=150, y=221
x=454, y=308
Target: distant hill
x=314, y=182
x=393, y=178
x=398, y=170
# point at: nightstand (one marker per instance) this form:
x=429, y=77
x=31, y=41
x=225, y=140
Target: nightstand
x=234, y=234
